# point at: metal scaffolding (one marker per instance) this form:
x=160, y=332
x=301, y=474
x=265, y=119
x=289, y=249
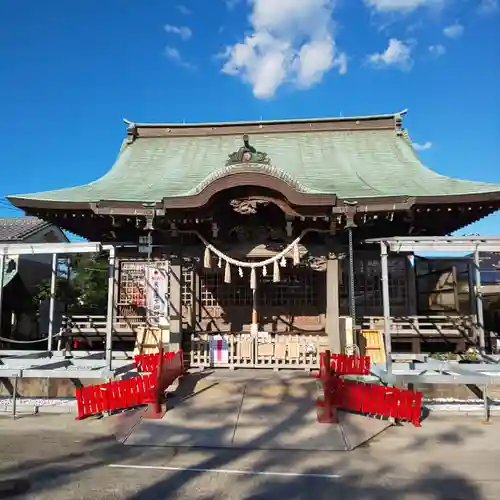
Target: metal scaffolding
x=56, y=364
x=431, y=371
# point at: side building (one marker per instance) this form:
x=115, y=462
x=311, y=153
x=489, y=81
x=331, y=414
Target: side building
x=23, y=274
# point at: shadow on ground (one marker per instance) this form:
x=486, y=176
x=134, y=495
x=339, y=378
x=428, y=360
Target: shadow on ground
x=365, y=473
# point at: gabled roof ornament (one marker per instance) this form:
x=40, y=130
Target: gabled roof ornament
x=247, y=154
x=131, y=130
x=398, y=121
x=130, y=125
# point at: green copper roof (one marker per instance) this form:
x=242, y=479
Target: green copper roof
x=350, y=164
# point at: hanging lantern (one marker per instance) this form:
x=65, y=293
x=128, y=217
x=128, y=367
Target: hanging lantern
x=283, y=261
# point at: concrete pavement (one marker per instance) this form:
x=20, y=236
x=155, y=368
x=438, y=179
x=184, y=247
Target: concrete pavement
x=449, y=458
x=257, y=414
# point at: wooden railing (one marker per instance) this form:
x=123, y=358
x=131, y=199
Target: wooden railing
x=94, y=327
x=279, y=351
x=426, y=326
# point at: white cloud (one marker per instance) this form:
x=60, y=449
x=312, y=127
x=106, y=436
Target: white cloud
x=397, y=54
x=488, y=6
x=291, y=41
x=183, y=31
x=401, y=5
x=437, y=50
x=453, y=31
x=422, y=147
x=183, y=10
x=174, y=55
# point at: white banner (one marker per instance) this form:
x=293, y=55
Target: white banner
x=156, y=293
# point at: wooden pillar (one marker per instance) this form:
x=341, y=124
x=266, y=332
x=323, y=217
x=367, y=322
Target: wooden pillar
x=332, y=303
x=254, y=327
x=174, y=303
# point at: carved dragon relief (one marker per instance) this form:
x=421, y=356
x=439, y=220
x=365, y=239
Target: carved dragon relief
x=247, y=206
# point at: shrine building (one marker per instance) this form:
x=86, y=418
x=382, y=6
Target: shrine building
x=257, y=220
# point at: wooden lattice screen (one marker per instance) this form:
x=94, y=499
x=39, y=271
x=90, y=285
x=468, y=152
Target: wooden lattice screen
x=298, y=286
x=368, y=284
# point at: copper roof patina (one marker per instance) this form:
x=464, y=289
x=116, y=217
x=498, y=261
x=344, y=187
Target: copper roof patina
x=359, y=158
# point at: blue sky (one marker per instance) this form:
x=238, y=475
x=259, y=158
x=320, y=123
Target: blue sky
x=70, y=71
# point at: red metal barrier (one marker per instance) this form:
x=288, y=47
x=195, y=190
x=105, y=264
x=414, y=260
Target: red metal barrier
x=342, y=364
x=148, y=362
x=370, y=399
x=136, y=391
x=374, y=399
x=117, y=395
x=167, y=371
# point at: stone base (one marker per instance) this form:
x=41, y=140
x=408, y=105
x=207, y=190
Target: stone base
x=65, y=388
x=45, y=387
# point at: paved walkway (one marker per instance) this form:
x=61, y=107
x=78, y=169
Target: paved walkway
x=272, y=413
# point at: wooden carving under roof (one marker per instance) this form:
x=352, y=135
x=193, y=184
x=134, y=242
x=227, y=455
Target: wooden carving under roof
x=248, y=206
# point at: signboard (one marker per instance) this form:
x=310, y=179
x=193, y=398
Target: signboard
x=373, y=345
x=218, y=349
x=156, y=293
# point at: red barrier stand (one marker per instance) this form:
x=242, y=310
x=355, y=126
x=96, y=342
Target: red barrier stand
x=169, y=368
x=326, y=411
x=343, y=364
x=148, y=362
x=361, y=397
x=136, y=391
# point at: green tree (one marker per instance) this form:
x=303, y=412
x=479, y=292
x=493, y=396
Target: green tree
x=87, y=286
x=90, y=280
